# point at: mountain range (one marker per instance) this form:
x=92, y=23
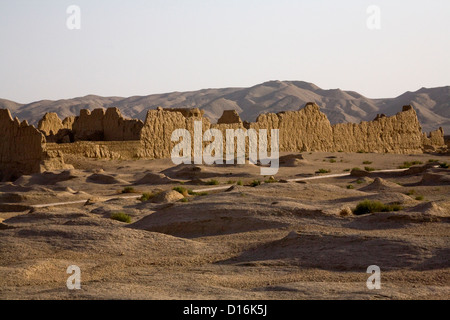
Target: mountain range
x=432, y=104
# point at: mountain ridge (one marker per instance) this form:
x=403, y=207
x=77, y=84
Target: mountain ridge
x=431, y=104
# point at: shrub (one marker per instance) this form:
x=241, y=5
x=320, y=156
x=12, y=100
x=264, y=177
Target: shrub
x=122, y=217
x=213, y=182
x=369, y=206
x=408, y=164
x=146, y=196
x=128, y=190
x=411, y=192
x=332, y=161
x=360, y=151
x=359, y=181
x=231, y=182
x=323, y=171
x=419, y=198
x=443, y=165
x=192, y=193
x=350, y=186
x=369, y=169
x=346, y=170
x=184, y=200
x=367, y=162
x=255, y=183
x=240, y=183
x=271, y=180
x=433, y=160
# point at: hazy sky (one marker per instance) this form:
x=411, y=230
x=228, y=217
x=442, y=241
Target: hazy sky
x=140, y=47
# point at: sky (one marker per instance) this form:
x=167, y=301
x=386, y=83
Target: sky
x=141, y=47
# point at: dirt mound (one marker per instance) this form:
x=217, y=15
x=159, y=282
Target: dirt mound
x=217, y=215
x=435, y=178
x=104, y=179
x=48, y=178
x=380, y=184
x=155, y=178
x=430, y=208
x=167, y=197
x=190, y=172
x=353, y=252
x=292, y=160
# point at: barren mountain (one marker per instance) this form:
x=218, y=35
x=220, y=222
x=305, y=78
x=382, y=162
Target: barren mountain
x=432, y=104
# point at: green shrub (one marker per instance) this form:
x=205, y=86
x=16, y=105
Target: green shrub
x=367, y=162
x=350, y=186
x=120, y=216
x=360, y=151
x=271, y=180
x=255, y=183
x=128, y=190
x=443, y=165
x=213, y=182
x=184, y=200
x=369, y=206
x=192, y=193
x=346, y=170
x=359, y=181
x=408, y=164
x=411, y=192
x=146, y=196
x=240, y=183
x=231, y=182
x=332, y=161
x=323, y=171
x=369, y=169
x=433, y=160
x=420, y=198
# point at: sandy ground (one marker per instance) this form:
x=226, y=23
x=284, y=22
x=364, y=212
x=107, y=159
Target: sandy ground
x=282, y=240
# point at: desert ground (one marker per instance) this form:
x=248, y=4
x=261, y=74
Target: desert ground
x=291, y=237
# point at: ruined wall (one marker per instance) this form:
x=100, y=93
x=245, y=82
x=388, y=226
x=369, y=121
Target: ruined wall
x=50, y=124
x=159, y=125
x=400, y=133
x=21, y=147
x=307, y=129
x=116, y=150
x=100, y=125
x=229, y=116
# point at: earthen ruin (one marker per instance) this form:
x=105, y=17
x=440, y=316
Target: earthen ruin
x=101, y=133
